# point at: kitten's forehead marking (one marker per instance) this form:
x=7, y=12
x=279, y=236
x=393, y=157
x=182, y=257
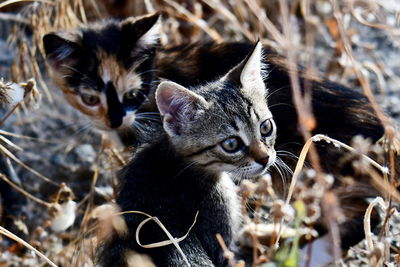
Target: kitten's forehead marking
x=242, y=131
x=112, y=70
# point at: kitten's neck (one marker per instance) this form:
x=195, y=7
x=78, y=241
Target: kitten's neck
x=168, y=159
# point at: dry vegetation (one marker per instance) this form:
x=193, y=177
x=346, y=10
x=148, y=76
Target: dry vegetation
x=65, y=171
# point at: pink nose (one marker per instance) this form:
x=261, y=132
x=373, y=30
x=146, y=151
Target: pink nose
x=263, y=161
x=259, y=153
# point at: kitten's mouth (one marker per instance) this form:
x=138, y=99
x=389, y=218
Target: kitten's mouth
x=260, y=171
x=127, y=124
x=102, y=127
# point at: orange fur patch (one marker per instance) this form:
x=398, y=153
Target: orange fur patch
x=111, y=70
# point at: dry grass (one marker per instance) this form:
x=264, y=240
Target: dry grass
x=318, y=34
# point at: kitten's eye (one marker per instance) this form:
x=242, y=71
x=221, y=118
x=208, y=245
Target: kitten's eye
x=266, y=128
x=130, y=94
x=232, y=144
x=90, y=100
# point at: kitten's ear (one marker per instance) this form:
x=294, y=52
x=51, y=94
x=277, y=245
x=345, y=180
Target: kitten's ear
x=179, y=106
x=61, y=50
x=145, y=30
x=249, y=72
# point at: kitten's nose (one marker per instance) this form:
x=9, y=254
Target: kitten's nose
x=263, y=161
x=260, y=153
x=116, y=111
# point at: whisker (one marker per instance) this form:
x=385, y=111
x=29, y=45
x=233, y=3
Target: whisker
x=287, y=154
x=147, y=71
x=276, y=91
x=137, y=125
x=76, y=71
x=284, y=165
x=149, y=117
x=150, y=113
x=185, y=168
x=280, y=104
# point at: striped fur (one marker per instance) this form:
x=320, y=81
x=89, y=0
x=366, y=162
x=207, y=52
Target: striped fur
x=199, y=120
x=186, y=170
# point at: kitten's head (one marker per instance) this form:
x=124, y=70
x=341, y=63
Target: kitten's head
x=225, y=125
x=105, y=70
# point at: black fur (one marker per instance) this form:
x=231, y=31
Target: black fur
x=159, y=182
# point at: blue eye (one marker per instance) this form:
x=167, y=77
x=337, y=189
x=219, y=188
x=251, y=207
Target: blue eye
x=266, y=128
x=232, y=144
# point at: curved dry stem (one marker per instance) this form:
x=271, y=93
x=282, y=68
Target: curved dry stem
x=172, y=240
x=367, y=225
x=367, y=220
x=360, y=19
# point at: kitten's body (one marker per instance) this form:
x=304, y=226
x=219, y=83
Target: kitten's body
x=223, y=127
x=173, y=192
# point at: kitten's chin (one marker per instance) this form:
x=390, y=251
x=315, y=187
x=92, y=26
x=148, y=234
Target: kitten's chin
x=99, y=125
x=104, y=128
x=257, y=172
x=107, y=129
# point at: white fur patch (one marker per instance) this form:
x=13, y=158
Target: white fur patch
x=106, y=76
x=251, y=73
x=152, y=36
x=229, y=190
x=129, y=119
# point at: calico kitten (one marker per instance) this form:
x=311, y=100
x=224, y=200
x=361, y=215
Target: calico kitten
x=105, y=71
x=210, y=132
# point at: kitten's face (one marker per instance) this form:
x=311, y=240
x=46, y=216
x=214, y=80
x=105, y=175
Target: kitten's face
x=105, y=70
x=225, y=125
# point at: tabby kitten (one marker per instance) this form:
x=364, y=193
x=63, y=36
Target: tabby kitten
x=105, y=71
x=210, y=132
